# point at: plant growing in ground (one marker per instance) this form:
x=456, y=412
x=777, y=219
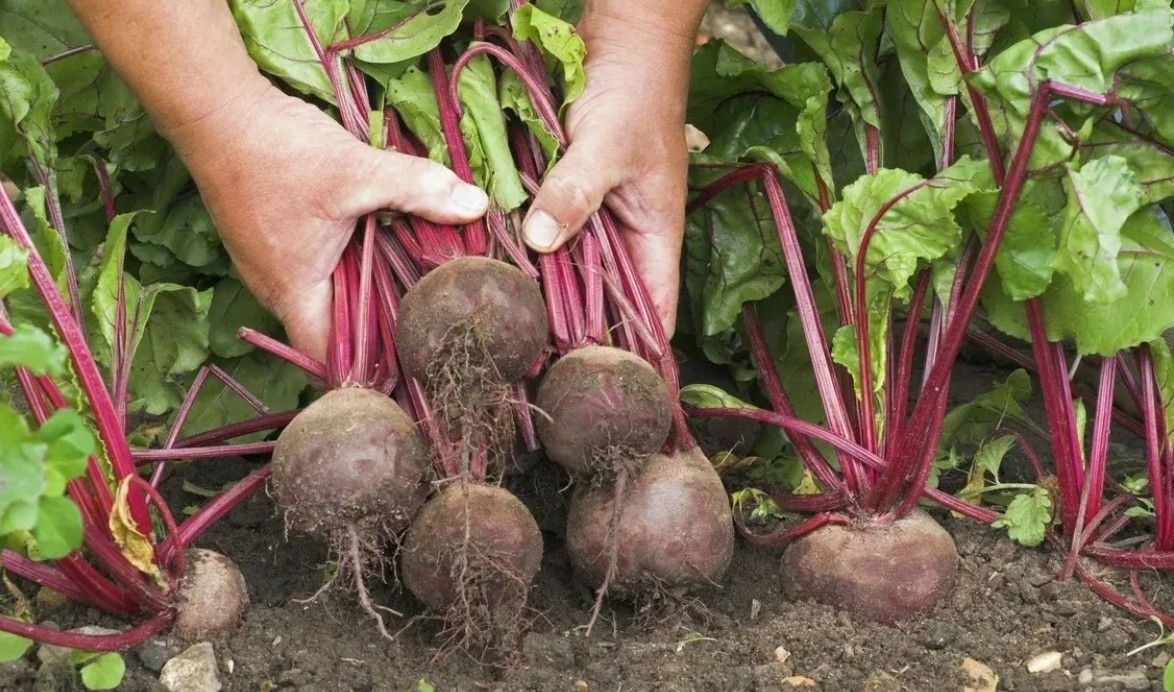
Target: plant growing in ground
x=978, y=127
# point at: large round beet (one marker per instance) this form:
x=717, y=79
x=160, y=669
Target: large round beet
x=471, y=537
x=352, y=459
x=212, y=599
x=483, y=313
x=880, y=572
x=675, y=527
x=602, y=406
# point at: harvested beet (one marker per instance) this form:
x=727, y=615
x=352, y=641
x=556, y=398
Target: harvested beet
x=605, y=410
x=674, y=528
x=881, y=572
x=353, y=458
x=351, y=468
x=212, y=599
x=471, y=319
x=471, y=554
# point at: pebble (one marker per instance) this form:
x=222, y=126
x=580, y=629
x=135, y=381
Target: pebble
x=1136, y=680
x=1160, y=660
x=1045, y=662
x=881, y=681
x=979, y=676
x=50, y=655
x=781, y=654
x=154, y=653
x=194, y=670
x=1085, y=676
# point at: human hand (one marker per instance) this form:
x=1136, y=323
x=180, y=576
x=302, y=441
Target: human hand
x=285, y=186
x=627, y=148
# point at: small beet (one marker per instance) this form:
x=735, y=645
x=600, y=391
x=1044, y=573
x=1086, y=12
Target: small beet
x=352, y=459
x=472, y=313
x=883, y=573
x=602, y=406
x=212, y=599
x=471, y=532
x=675, y=528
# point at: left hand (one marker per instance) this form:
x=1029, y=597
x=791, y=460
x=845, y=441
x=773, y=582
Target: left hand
x=627, y=150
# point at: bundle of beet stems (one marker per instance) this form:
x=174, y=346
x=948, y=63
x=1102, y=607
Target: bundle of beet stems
x=445, y=328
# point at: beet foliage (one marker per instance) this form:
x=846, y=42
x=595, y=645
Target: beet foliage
x=1021, y=197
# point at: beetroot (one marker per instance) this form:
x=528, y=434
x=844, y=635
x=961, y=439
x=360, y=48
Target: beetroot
x=472, y=320
x=604, y=410
x=673, y=528
x=352, y=459
x=212, y=599
x=881, y=572
x=351, y=468
x=471, y=554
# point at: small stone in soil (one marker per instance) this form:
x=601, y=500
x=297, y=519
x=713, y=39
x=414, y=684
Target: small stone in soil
x=1045, y=662
x=194, y=670
x=1135, y=680
x=881, y=681
x=979, y=676
x=154, y=653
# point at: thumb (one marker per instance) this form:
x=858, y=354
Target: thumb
x=573, y=191
x=381, y=179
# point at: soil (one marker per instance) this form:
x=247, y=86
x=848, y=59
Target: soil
x=1006, y=608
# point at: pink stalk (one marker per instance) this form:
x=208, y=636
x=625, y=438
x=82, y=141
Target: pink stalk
x=273, y=347
x=216, y=452
x=772, y=384
x=1159, y=481
x=449, y=105
x=90, y=642
x=49, y=577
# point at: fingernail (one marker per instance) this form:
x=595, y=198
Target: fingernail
x=541, y=231
x=471, y=198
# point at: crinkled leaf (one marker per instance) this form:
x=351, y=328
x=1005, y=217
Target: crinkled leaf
x=31, y=348
x=280, y=45
x=412, y=97
x=514, y=97
x=1086, y=56
x=1146, y=84
x=234, y=306
x=42, y=28
x=848, y=50
x=186, y=230
x=1025, y=256
x=775, y=14
x=562, y=47
x=27, y=99
x=58, y=531
x=916, y=29
x=987, y=461
x=1027, y=517
x=14, y=273
x=749, y=112
x=1101, y=196
x=732, y=257
x=478, y=94
x=1148, y=162
x=566, y=10
x=403, y=30
x=104, y=672
x=1143, y=313
x=920, y=227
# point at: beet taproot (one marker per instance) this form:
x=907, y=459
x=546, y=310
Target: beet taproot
x=880, y=571
x=674, y=527
x=603, y=410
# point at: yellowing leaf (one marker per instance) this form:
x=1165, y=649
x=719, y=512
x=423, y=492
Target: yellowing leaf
x=135, y=547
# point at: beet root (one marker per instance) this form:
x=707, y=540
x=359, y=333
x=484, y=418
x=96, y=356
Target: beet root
x=212, y=599
x=351, y=460
x=673, y=528
x=471, y=554
x=605, y=410
x=883, y=573
x=483, y=319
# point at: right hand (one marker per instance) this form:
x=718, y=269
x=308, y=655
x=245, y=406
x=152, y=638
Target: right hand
x=285, y=186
